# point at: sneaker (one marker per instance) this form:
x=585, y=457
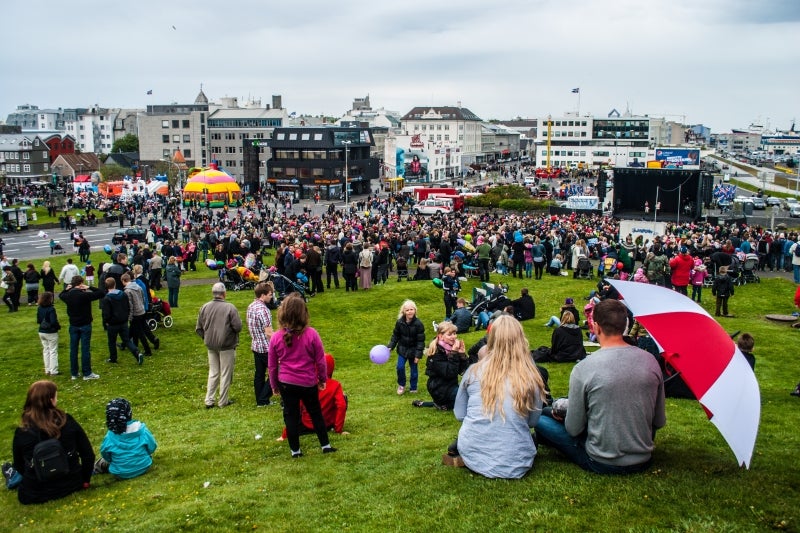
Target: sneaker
x=109, y=360
x=140, y=358
x=412, y=391
x=73, y=378
x=100, y=466
x=91, y=376
x=330, y=449
x=297, y=455
x=417, y=403
x=8, y=470
x=400, y=390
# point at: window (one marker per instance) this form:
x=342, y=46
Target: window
x=216, y=136
x=165, y=124
x=230, y=136
x=26, y=168
x=230, y=149
x=176, y=138
x=317, y=136
x=165, y=139
x=305, y=137
x=175, y=123
x=26, y=155
x=186, y=138
x=187, y=153
x=166, y=152
x=292, y=136
x=280, y=136
x=46, y=167
x=185, y=123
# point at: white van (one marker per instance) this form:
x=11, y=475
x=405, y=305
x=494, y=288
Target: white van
x=432, y=206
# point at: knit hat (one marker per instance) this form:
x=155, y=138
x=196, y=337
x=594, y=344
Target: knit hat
x=568, y=301
x=684, y=250
x=118, y=414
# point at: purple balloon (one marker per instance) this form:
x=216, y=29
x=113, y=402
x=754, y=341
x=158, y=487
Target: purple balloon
x=379, y=354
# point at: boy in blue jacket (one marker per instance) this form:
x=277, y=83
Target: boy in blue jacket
x=127, y=448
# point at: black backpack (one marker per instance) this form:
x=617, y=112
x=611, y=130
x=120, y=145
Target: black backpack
x=50, y=460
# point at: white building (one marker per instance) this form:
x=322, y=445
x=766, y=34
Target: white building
x=447, y=127
x=92, y=128
x=588, y=142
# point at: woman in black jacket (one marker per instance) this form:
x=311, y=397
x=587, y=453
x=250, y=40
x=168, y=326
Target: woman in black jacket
x=566, y=344
x=409, y=338
x=42, y=420
x=49, y=277
x=349, y=267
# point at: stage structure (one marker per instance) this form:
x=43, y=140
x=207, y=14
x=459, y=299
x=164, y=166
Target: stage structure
x=661, y=194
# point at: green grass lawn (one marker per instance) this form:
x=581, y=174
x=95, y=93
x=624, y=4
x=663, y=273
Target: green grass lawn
x=388, y=475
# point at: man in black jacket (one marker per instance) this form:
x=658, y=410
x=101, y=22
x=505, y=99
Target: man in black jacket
x=20, y=282
x=79, y=298
x=116, y=309
x=524, y=307
x=333, y=256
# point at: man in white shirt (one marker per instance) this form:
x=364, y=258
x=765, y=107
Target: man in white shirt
x=68, y=271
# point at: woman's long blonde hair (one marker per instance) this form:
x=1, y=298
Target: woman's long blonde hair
x=509, y=366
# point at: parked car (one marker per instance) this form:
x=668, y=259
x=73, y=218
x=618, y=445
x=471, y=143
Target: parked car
x=129, y=234
x=794, y=212
x=790, y=202
x=773, y=200
x=431, y=206
x=759, y=203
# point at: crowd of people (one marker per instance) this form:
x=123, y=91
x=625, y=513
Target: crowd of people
x=501, y=393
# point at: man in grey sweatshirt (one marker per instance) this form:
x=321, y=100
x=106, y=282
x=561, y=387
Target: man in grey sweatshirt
x=616, y=403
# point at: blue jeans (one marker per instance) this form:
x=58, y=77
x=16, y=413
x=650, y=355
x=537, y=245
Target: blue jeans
x=552, y=433
x=796, y=273
x=554, y=321
x=82, y=335
x=401, y=372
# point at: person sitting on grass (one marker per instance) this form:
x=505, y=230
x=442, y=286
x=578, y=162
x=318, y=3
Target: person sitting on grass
x=461, y=317
x=566, y=343
x=447, y=359
x=524, y=306
x=499, y=400
x=616, y=403
x=569, y=305
x=128, y=445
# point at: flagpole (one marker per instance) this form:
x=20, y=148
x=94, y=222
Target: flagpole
x=679, y=205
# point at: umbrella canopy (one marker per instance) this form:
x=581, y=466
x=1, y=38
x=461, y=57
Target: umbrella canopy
x=709, y=361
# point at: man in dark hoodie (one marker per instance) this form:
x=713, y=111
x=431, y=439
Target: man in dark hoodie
x=116, y=309
x=79, y=298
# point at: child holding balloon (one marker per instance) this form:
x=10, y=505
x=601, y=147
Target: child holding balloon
x=409, y=338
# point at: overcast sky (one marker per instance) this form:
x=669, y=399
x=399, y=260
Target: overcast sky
x=722, y=63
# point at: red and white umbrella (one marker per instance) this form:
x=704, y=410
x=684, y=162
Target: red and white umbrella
x=709, y=361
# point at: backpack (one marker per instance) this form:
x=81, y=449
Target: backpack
x=50, y=460
x=797, y=249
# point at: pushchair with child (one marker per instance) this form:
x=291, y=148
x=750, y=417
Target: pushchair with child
x=158, y=313
x=284, y=286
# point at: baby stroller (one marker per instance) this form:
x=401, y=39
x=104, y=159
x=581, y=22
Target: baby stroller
x=284, y=286
x=583, y=269
x=58, y=249
x=158, y=313
x=748, y=274
x=234, y=282
x=402, y=267
x=488, y=298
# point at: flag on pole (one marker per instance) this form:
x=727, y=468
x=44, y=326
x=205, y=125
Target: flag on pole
x=151, y=91
x=576, y=90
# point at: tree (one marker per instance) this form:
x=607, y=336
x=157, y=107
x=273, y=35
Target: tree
x=114, y=172
x=128, y=143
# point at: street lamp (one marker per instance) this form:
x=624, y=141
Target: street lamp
x=346, y=170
